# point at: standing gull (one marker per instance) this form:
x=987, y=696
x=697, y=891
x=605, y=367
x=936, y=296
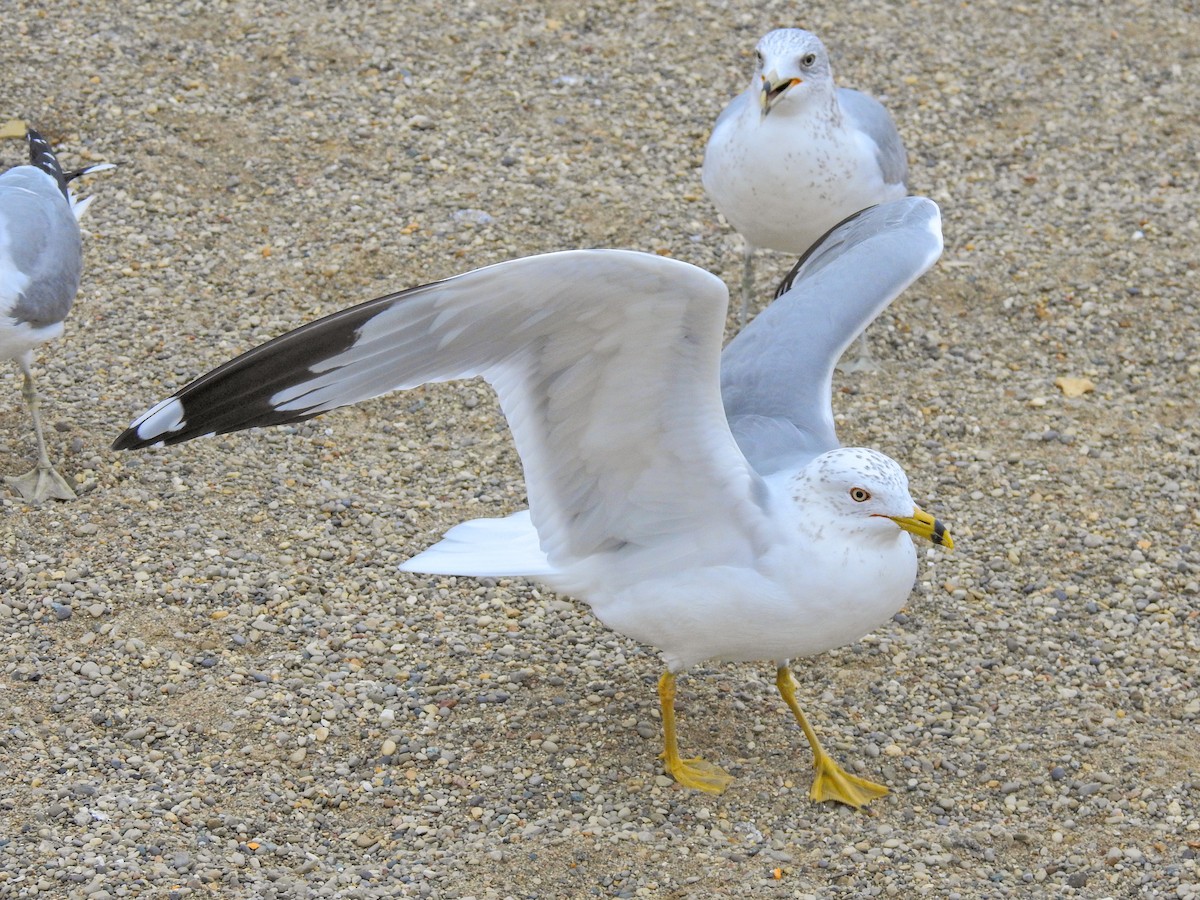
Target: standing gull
x=793, y=154
x=41, y=259
x=697, y=501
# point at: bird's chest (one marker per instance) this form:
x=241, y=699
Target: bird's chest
x=837, y=591
x=792, y=155
x=782, y=185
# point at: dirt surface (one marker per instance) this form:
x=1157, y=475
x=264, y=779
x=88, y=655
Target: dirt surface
x=214, y=680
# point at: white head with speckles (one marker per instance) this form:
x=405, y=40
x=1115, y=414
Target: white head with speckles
x=792, y=71
x=867, y=492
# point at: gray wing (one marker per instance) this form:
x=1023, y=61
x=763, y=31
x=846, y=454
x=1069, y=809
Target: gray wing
x=872, y=118
x=735, y=106
x=777, y=374
x=606, y=365
x=40, y=250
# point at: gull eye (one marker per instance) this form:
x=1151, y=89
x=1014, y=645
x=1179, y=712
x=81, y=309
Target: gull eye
x=860, y=495
x=758, y=57
x=808, y=59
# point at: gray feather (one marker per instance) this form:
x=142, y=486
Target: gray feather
x=43, y=245
x=869, y=115
x=777, y=374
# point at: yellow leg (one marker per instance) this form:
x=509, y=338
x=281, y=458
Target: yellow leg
x=832, y=782
x=691, y=773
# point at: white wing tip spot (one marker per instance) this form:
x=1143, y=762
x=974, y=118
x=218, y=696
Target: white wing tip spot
x=163, y=418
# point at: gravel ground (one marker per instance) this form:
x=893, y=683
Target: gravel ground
x=213, y=680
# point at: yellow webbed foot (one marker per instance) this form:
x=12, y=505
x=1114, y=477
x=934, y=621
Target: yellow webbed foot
x=697, y=774
x=832, y=782
x=692, y=773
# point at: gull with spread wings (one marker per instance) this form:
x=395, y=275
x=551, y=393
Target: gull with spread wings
x=698, y=501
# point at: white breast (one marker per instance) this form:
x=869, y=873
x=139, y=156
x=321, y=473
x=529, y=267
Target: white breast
x=784, y=180
x=810, y=592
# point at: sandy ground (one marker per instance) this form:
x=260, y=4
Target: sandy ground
x=213, y=680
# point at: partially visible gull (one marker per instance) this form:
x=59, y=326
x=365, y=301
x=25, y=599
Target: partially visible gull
x=697, y=501
x=793, y=154
x=41, y=259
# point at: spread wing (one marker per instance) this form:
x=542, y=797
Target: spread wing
x=607, y=367
x=777, y=374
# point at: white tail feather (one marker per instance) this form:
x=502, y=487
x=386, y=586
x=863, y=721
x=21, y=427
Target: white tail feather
x=79, y=207
x=486, y=547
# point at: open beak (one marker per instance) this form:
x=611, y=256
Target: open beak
x=773, y=87
x=922, y=524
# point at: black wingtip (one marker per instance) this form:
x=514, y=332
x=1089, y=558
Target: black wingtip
x=127, y=440
x=41, y=156
x=88, y=170
x=256, y=389
x=790, y=278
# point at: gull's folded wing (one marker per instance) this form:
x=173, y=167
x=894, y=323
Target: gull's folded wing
x=872, y=118
x=41, y=255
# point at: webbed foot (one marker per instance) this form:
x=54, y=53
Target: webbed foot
x=41, y=483
x=698, y=774
x=832, y=782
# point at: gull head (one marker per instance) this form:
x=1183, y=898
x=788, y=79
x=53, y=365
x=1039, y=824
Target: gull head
x=865, y=491
x=791, y=66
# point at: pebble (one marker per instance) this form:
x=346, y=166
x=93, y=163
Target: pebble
x=217, y=681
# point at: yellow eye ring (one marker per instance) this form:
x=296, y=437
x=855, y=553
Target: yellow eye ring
x=860, y=495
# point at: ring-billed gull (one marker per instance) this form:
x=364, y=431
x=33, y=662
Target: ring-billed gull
x=41, y=259
x=793, y=155
x=697, y=501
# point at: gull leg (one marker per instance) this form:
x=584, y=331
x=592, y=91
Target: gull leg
x=41, y=482
x=863, y=362
x=691, y=773
x=832, y=782
x=747, y=280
